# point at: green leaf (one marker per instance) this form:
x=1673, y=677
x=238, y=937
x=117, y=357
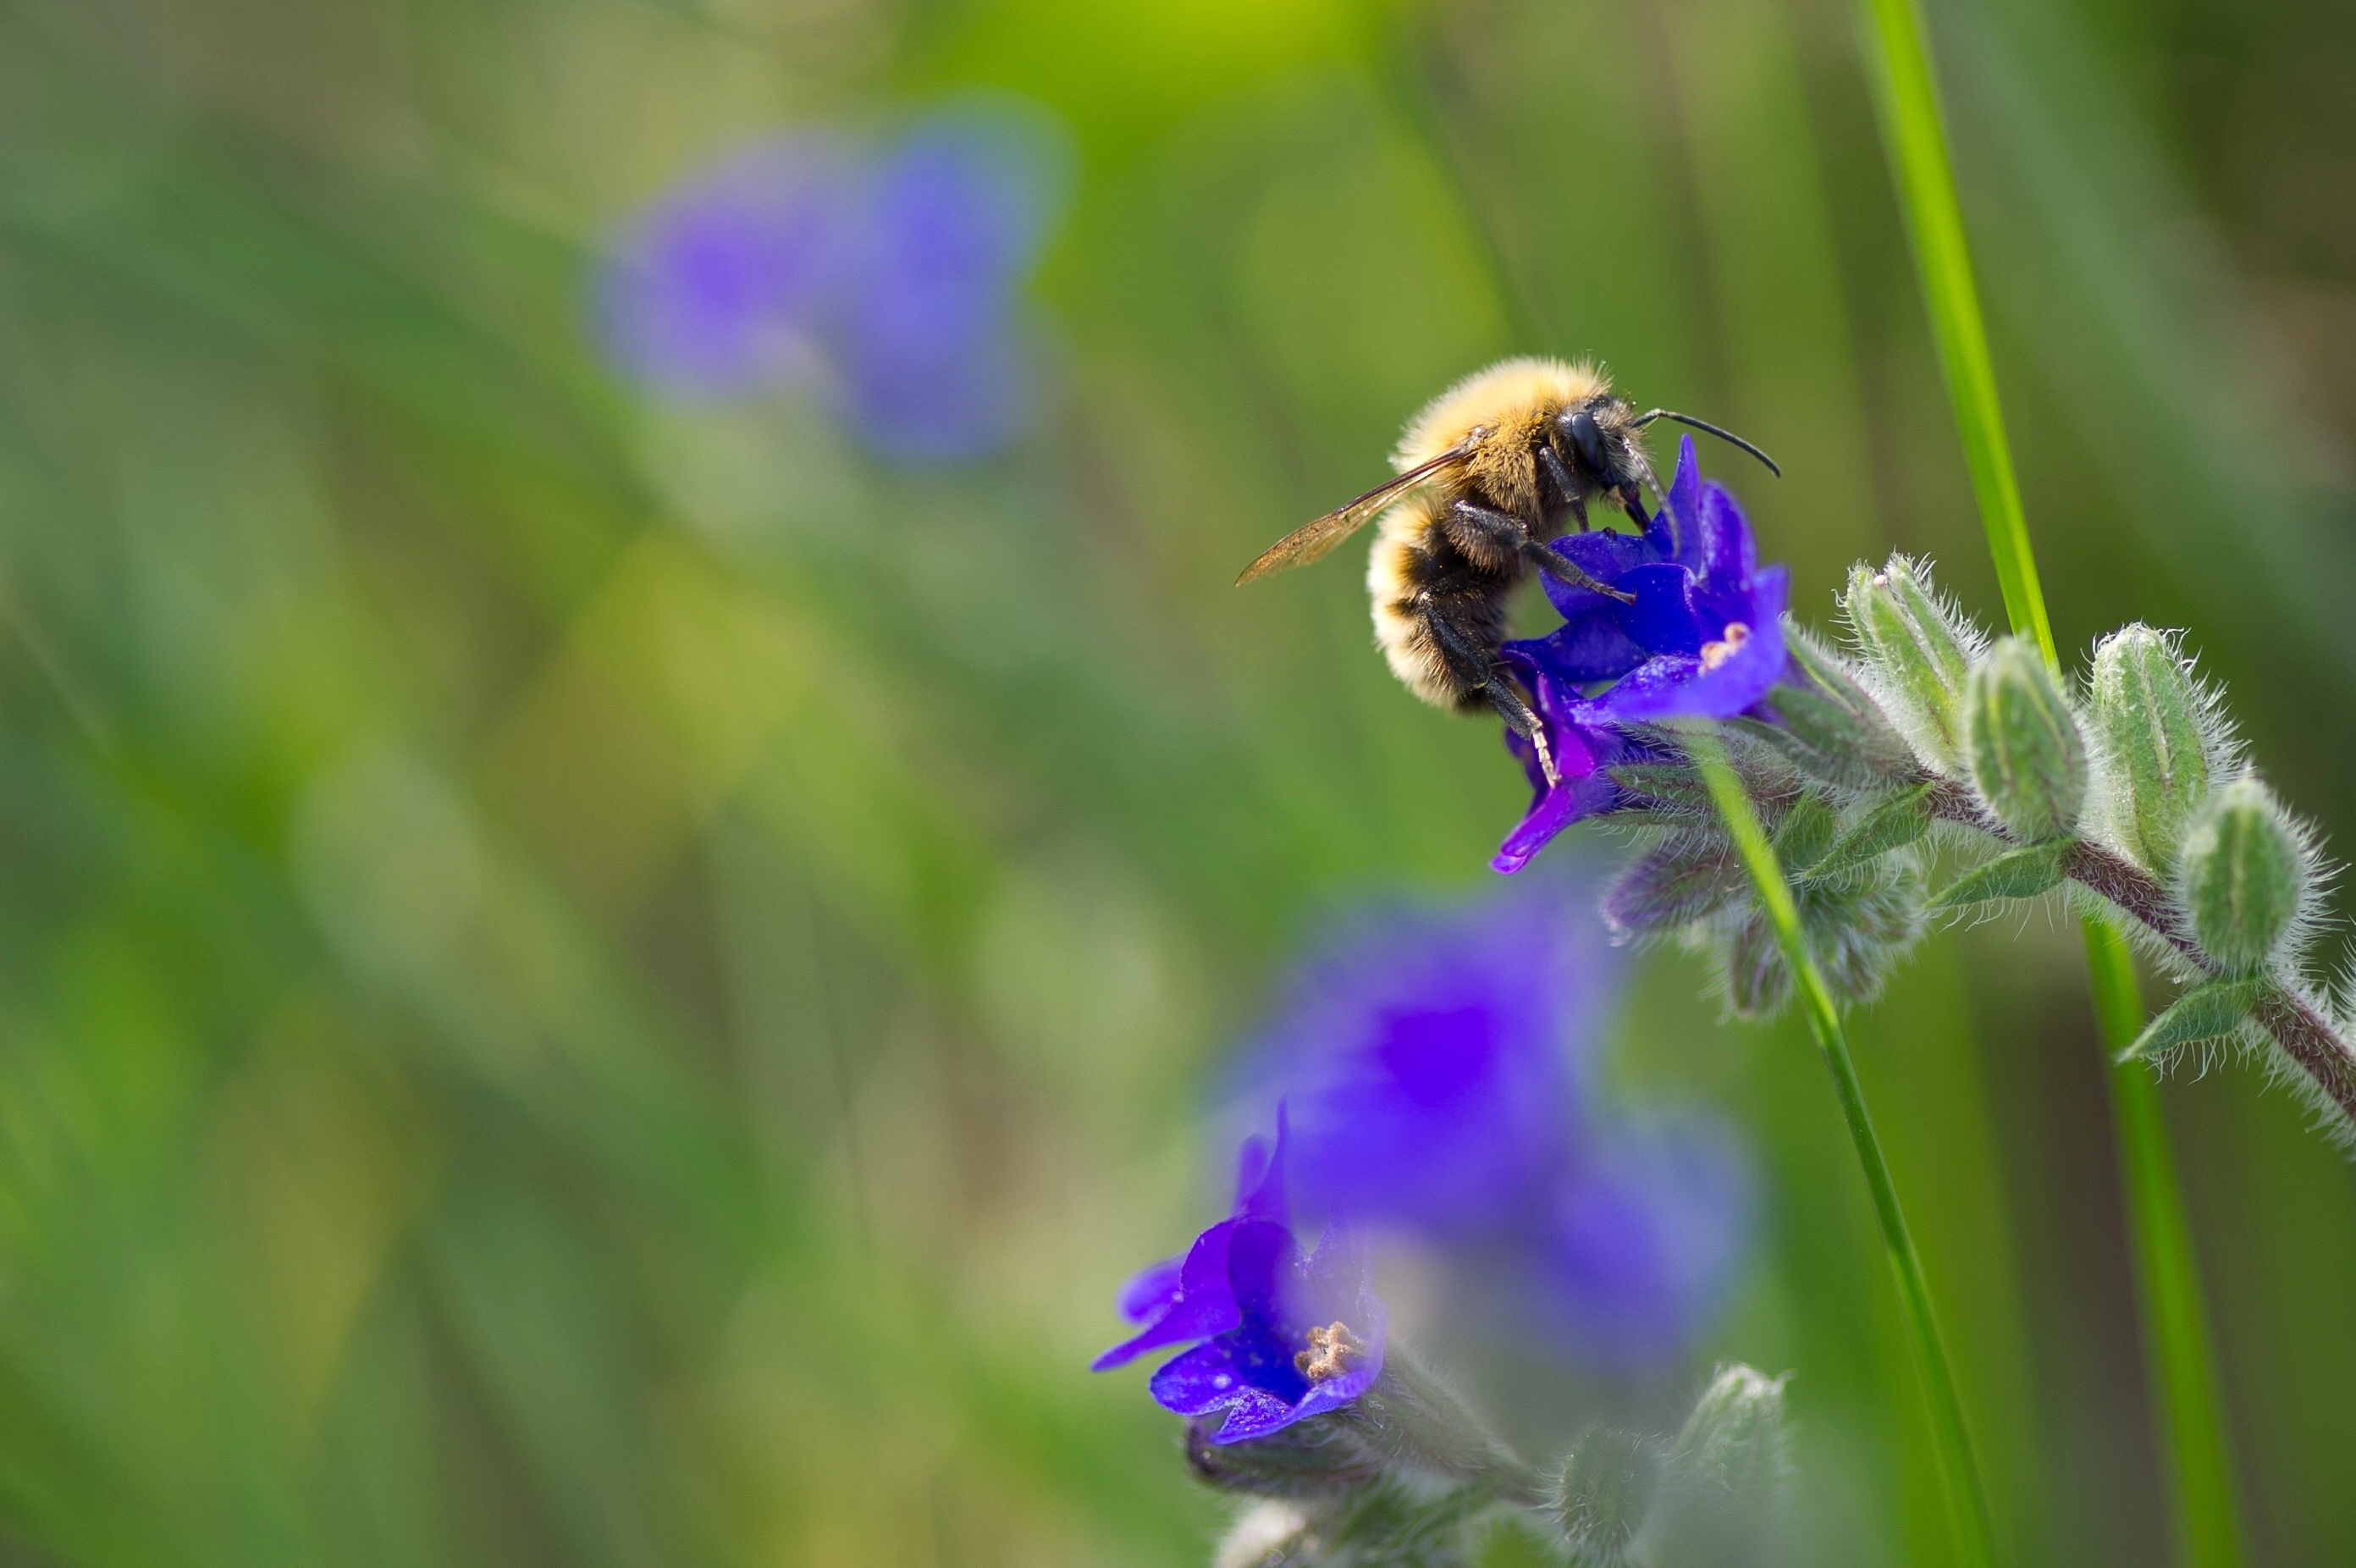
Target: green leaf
x=2209, y=1012
x=2023, y=874
x=1806, y=832
x=1674, y=885
x=1892, y=824
x=1668, y=785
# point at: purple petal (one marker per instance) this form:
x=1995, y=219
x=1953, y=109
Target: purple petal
x=1204, y=1304
x=1662, y=621
x=1253, y=1413
x=1589, y=646
x=1262, y=1260
x=1151, y=1291
x=1603, y=555
x=1676, y=685
x=1685, y=504
x=1261, y=1197
x=1730, y=554
x=1572, y=800
x=1199, y=1381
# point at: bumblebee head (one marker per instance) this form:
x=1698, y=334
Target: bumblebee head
x=1598, y=448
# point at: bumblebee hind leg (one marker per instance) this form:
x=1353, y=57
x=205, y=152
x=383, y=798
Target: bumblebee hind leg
x=1477, y=673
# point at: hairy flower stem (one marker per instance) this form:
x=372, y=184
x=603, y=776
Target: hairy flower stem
x=1413, y=1419
x=1906, y=94
x=1966, y=1498
x=2292, y=1021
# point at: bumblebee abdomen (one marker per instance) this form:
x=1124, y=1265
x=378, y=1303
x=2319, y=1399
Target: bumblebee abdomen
x=1414, y=576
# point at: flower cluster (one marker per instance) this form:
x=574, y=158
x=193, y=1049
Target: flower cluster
x=1438, y=1065
x=884, y=279
x=1699, y=634
x=1917, y=770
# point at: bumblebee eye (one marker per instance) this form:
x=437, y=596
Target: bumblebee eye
x=1586, y=440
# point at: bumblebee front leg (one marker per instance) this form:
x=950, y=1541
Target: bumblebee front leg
x=1560, y=472
x=1487, y=535
x=1477, y=672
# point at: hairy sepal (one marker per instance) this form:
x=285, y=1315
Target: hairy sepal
x=2017, y=873
x=2026, y=755
x=2158, y=742
x=2218, y=1011
x=1917, y=650
x=1902, y=819
x=1687, y=877
x=1605, y=1489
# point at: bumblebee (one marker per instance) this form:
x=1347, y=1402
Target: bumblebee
x=1487, y=473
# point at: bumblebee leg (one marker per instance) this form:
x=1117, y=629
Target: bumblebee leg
x=1488, y=536
x=1524, y=723
x=1552, y=564
x=1471, y=666
x=1632, y=499
x=1560, y=472
x=1484, y=530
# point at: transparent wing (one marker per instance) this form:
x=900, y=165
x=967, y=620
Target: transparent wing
x=1313, y=540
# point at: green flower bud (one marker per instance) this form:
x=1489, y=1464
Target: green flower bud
x=2149, y=717
x=2243, y=877
x=1734, y=1438
x=1722, y=1484
x=1922, y=651
x=1606, y=1487
x=2028, y=759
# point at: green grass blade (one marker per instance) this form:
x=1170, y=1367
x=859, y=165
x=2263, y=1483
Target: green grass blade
x=2177, y=1356
x=2168, y=1283
x=1913, y=129
x=1966, y=1497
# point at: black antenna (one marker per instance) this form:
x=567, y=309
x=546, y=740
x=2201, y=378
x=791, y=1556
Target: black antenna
x=1728, y=435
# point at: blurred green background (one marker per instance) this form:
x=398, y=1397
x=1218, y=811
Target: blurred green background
x=587, y=981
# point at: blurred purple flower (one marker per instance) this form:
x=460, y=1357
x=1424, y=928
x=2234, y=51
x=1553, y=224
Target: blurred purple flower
x=1432, y=1058
x=1283, y=1335
x=715, y=290
x=1705, y=637
x=888, y=279
x=1436, y=1065
x=1647, y=1233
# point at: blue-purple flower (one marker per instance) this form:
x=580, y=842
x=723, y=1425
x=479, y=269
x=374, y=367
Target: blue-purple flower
x=1704, y=637
x=1644, y=1238
x=1432, y=1057
x=1436, y=1064
x=719, y=286
x=884, y=279
x=1277, y=1335
x=1580, y=752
